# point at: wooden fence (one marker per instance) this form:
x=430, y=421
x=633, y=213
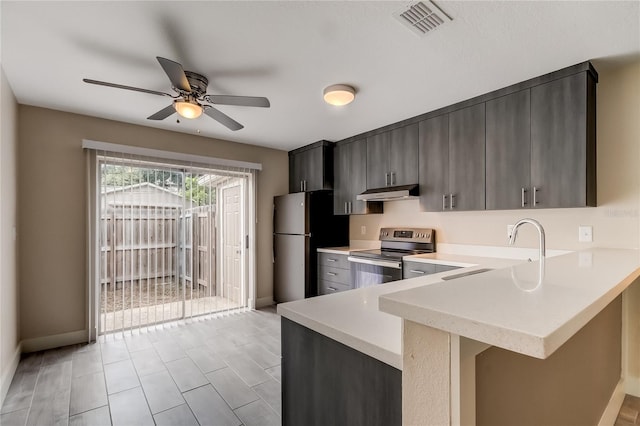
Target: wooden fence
x=139, y=244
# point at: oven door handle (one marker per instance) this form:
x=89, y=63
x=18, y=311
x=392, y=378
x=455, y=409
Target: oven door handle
x=383, y=263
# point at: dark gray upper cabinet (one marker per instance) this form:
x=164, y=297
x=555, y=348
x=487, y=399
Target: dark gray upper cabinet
x=350, y=170
x=563, y=146
x=466, y=158
x=508, y=144
x=311, y=167
x=528, y=145
x=433, y=156
x=392, y=157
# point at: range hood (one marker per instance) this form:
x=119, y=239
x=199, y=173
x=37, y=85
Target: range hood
x=389, y=193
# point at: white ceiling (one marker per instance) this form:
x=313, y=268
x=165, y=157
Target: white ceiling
x=289, y=51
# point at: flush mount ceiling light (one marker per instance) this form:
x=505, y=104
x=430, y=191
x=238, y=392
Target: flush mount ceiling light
x=188, y=109
x=339, y=94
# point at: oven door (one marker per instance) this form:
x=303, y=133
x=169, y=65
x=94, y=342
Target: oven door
x=368, y=272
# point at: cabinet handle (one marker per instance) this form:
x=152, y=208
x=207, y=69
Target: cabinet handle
x=350, y=207
x=332, y=274
x=386, y=179
x=305, y=186
x=332, y=288
x=451, y=203
x=535, y=193
x=301, y=187
x=415, y=271
x=523, y=199
x=346, y=211
x=393, y=178
x=444, y=201
x=331, y=260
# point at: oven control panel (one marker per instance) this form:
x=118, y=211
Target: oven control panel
x=417, y=235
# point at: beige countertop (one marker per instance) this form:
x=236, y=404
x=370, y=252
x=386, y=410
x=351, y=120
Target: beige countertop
x=514, y=308
x=501, y=307
x=352, y=317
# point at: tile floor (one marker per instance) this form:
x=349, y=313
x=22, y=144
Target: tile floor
x=629, y=412
x=221, y=371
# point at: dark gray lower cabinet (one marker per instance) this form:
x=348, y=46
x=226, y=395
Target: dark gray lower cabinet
x=419, y=269
x=334, y=273
x=327, y=383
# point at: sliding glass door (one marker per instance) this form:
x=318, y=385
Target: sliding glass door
x=171, y=241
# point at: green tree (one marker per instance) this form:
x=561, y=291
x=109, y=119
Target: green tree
x=200, y=195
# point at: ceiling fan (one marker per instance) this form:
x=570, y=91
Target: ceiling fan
x=191, y=99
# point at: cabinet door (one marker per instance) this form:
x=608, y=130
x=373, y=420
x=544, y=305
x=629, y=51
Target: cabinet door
x=508, y=151
x=466, y=158
x=296, y=165
x=358, y=178
x=558, y=142
x=433, y=162
x=417, y=269
x=403, y=155
x=313, y=169
x=341, y=179
x=377, y=160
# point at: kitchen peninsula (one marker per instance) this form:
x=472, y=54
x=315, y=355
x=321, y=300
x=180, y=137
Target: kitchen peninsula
x=445, y=337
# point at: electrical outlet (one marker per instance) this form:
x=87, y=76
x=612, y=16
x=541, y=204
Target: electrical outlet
x=509, y=230
x=363, y=230
x=585, y=234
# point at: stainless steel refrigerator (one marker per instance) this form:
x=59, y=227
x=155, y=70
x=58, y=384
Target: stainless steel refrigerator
x=303, y=222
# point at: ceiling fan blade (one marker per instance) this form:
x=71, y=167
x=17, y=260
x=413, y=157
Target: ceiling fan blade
x=120, y=86
x=250, y=101
x=175, y=73
x=222, y=118
x=163, y=113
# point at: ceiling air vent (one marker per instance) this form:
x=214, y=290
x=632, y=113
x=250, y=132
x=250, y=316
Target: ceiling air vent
x=422, y=17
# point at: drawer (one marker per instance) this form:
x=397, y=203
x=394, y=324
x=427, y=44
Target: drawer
x=335, y=275
x=442, y=268
x=327, y=287
x=417, y=269
x=334, y=260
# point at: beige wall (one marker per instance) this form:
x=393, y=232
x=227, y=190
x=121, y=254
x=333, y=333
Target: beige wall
x=9, y=297
x=615, y=221
x=52, y=205
x=571, y=387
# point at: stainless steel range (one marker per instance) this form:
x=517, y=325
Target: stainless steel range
x=370, y=267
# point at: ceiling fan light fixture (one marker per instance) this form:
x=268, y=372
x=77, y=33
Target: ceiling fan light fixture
x=188, y=109
x=339, y=94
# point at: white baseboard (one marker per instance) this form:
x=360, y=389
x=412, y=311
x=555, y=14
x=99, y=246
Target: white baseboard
x=7, y=376
x=632, y=386
x=54, y=341
x=261, y=302
x=613, y=407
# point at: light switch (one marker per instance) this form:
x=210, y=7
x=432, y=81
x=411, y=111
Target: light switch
x=585, y=234
x=363, y=230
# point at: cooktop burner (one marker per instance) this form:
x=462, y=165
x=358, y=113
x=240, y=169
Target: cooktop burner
x=388, y=254
x=398, y=242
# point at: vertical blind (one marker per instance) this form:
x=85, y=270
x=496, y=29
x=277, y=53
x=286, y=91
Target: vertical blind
x=170, y=239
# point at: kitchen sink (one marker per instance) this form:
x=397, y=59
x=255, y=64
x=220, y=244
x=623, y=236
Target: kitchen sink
x=464, y=274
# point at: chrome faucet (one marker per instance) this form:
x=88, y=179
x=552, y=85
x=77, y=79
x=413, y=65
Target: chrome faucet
x=514, y=234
